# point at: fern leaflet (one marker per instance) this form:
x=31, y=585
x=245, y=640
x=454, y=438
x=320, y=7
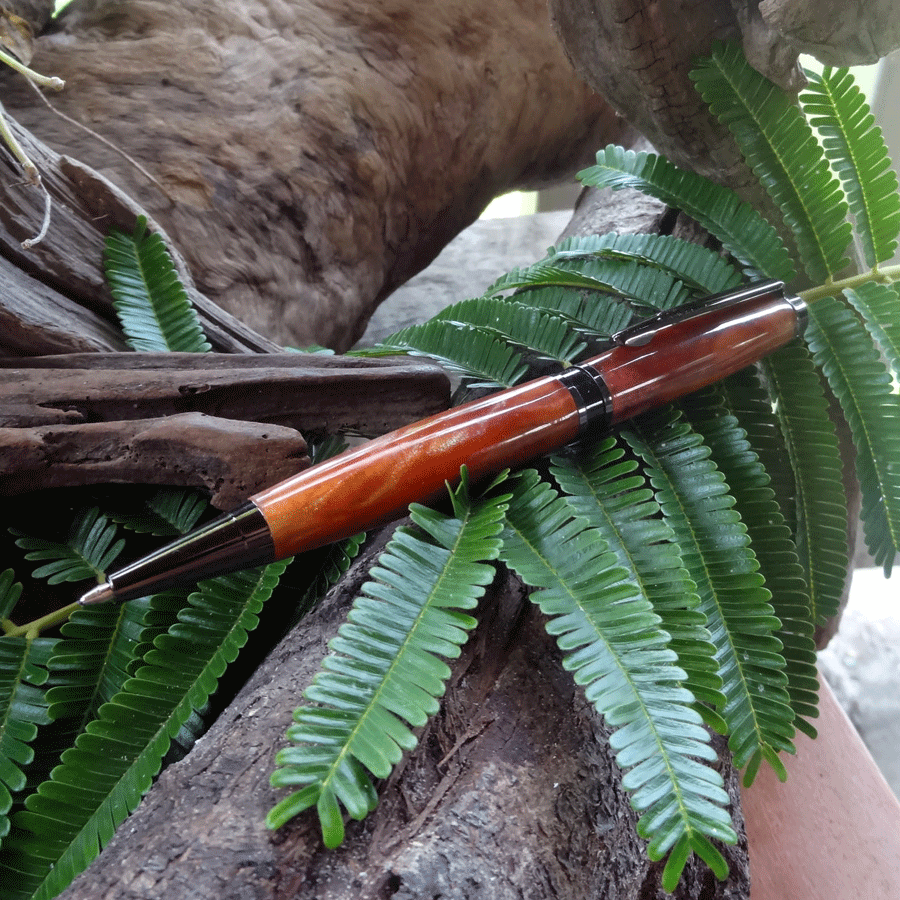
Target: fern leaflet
x=23, y=707
x=878, y=305
x=872, y=408
x=781, y=148
x=152, y=304
x=716, y=550
x=385, y=670
x=699, y=268
x=615, y=648
x=744, y=233
x=771, y=541
x=88, y=553
x=857, y=152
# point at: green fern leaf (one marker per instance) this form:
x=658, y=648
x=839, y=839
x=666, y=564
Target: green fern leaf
x=615, y=648
x=479, y=356
x=644, y=285
x=879, y=305
x=820, y=502
x=771, y=541
x=844, y=351
x=701, y=269
x=23, y=707
x=857, y=152
x=169, y=512
x=542, y=333
x=94, y=659
x=88, y=553
x=10, y=591
x=102, y=778
x=153, y=307
x=744, y=233
x=781, y=148
x=385, y=670
x=592, y=313
x=605, y=489
x=716, y=550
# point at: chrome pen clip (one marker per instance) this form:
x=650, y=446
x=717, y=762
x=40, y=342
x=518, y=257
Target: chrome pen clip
x=641, y=333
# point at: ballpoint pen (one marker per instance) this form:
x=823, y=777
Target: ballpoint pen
x=646, y=365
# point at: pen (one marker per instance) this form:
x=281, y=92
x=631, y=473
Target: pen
x=646, y=365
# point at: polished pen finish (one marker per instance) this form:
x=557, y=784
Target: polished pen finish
x=647, y=365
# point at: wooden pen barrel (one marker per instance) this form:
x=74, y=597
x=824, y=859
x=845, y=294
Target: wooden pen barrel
x=654, y=362
x=692, y=353
x=376, y=482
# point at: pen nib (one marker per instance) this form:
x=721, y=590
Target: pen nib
x=103, y=593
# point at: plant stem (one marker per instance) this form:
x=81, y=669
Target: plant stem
x=831, y=288
x=51, y=81
x=33, y=629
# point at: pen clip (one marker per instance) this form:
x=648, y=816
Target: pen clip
x=641, y=333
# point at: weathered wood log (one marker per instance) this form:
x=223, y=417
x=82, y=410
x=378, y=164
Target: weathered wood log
x=170, y=418
x=512, y=792
x=314, y=155
x=308, y=392
x=230, y=459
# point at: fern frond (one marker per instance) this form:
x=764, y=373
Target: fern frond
x=701, y=269
x=878, y=305
x=94, y=659
x=812, y=446
x=615, y=648
x=478, y=356
x=169, y=512
x=593, y=313
x=864, y=387
x=385, y=669
x=153, y=307
x=781, y=149
x=23, y=707
x=855, y=147
x=744, y=233
x=542, y=333
x=88, y=553
x=102, y=778
x=716, y=551
x=771, y=541
x=641, y=284
x=10, y=591
x=606, y=489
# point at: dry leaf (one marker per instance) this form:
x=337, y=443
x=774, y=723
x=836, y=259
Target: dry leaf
x=16, y=36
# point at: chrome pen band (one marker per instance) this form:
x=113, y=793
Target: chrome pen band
x=591, y=396
x=235, y=540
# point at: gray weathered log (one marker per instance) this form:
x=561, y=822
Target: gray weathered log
x=229, y=459
x=511, y=793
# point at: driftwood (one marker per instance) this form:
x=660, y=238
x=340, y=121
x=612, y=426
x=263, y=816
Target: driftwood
x=229, y=423
x=312, y=155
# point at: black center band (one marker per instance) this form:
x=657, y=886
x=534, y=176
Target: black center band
x=591, y=396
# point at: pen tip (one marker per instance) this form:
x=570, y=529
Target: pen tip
x=103, y=593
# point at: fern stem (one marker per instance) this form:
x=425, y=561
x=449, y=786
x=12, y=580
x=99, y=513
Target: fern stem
x=32, y=629
x=830, y=288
